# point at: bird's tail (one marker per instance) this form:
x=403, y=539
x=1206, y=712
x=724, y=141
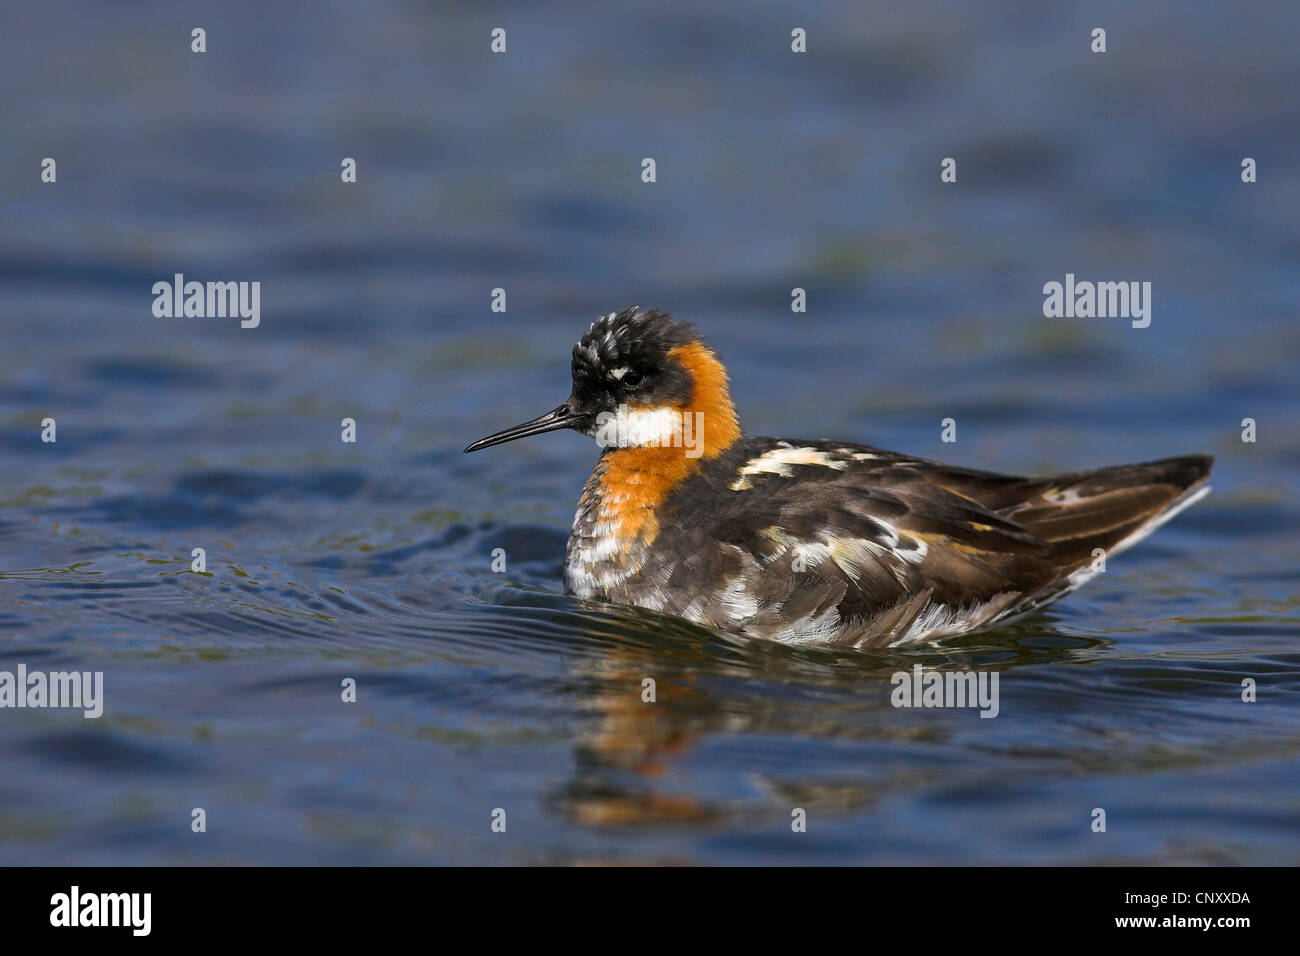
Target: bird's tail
x=1109, y=508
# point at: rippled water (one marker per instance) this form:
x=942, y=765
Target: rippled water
x=480, y=690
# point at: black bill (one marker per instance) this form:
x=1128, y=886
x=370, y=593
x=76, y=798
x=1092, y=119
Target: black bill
x=562, y=417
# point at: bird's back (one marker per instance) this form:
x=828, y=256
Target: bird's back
x=827, y=542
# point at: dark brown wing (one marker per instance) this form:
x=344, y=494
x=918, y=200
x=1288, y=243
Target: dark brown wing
x=1108, y=508
x=898, y=547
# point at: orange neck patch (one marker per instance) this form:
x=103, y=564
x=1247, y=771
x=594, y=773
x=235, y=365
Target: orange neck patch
x=633, y=482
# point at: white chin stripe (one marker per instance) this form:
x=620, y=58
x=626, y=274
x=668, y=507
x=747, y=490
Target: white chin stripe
x=630, y=427
x=656, y=426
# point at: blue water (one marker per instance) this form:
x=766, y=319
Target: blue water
x=480, y=690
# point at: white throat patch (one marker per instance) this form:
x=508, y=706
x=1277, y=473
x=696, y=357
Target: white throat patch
x=662, y=427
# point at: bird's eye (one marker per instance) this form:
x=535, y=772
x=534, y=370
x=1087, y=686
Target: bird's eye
x=631, y=380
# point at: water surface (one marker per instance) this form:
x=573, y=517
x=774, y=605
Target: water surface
x=480, y=690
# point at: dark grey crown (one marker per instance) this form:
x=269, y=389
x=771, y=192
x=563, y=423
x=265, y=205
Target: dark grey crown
x=634, y=337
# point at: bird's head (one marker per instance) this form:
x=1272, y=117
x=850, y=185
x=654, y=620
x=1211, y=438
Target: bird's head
x=641, y=380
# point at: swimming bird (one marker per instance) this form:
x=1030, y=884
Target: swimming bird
x=815, y=542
